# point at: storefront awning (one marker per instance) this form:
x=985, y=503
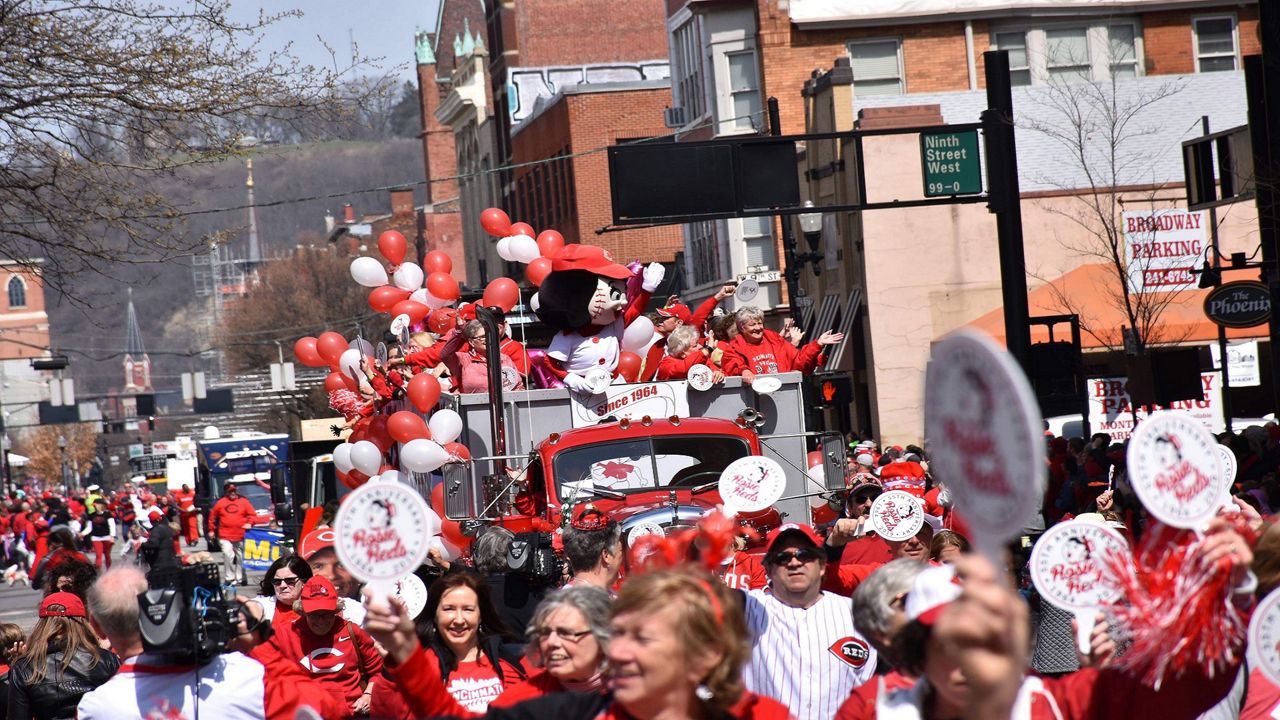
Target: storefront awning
x=1091, y=291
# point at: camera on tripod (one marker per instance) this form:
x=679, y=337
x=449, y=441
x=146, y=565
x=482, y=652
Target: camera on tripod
x=187, y=614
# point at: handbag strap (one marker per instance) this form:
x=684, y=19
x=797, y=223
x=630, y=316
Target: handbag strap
x=355, y=640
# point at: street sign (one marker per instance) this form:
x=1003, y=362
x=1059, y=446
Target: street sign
x=762, y=277
x=1240, y=304
x=950, y=163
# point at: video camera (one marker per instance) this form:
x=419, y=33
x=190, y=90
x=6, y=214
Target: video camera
x=532, y=554
x=187, y=614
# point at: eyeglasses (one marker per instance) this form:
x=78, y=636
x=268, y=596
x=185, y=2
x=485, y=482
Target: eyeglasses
x=804, y=555
x=566, y=635
x=289, y=581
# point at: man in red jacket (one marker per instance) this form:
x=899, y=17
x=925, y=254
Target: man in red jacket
x=759, y=351
x=186, y=500
x=228, y=520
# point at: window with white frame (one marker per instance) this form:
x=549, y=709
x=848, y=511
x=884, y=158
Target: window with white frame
x=757, y=241
x=744, y=90
x=877, y=66
x=1075, y=51
x=687, y=69
x=1216, y=43
x=704, y=252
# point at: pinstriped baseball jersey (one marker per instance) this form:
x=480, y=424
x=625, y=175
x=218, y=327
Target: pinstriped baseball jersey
x=808, y=659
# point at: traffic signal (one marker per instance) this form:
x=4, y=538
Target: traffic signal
x=832, y=390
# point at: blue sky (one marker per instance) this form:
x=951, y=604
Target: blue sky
x=380, y=28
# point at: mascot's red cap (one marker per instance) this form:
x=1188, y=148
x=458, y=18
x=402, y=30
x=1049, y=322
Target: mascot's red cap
x=591, y=258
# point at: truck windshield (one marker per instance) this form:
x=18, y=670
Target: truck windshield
x=647, y=463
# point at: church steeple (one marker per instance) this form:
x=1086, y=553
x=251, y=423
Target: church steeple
x=137, y=364
x=255, y=250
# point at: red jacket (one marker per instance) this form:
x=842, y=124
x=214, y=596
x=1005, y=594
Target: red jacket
x=287, y=686
x=772, y=355
x=228, y=518
x=514, y=349
x=338, y=660
x=673, y=368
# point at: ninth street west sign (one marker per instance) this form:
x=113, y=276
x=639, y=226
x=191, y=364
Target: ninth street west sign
x=950, y=163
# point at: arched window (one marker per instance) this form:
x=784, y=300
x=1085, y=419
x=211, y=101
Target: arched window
x=17, y=293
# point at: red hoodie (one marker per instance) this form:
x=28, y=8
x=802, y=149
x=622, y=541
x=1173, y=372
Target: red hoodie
x=772, y=355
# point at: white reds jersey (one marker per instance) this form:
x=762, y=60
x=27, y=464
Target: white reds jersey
x=148, y=687
x=808, y=659
x=580, y=353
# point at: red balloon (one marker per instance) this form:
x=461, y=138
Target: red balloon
x=443, y=286
x=405, y=426
x=331, y=345
x=458, y=449
x=379, y=435
x=502, y=292
x=537, y=271
x=382, y=299
x=424, y=391
x=437, y=499
x=628, y=366
x=416, y=311
x=442, y=320
x=549, y=243
x=305, y=350
x=495, y=222
x=522, y=229
x=346, y=479
x=823, y=514
x=392, y=245
x=814, y=458
x=336, y=381
x=448, y=528
x=437, y=261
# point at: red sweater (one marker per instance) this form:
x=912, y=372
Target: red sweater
x=772, y=355
x=673, y=368
x=229, y=517
x=337, y=660
x=287, y=686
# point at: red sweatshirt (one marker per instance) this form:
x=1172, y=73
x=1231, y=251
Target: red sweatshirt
x=338, y=659
x=229, y=517
x=673, y=368
x=772, y=355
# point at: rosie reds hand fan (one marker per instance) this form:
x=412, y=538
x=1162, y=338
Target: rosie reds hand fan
x=382, y=533
x=1173, y=465
x=984, y=432
x=1066, y=567
x=896, y=515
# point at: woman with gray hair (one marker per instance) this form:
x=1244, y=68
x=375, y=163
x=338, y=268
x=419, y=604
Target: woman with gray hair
x=760, y=351
x=682, y=354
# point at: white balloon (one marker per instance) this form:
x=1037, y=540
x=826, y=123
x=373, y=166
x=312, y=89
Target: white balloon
x=434, y=302
x=534, y=302
x=368, y=272
x=393, y=476
x=433, y=522
x=422, y=455
x=364, y=346
x=342, y=457
x=523, y=248
x=504, y=249
x=408, y=276
x=349, y=363
x=445, y=426
x=447, y=551
x=366, y=457
x=638, y=334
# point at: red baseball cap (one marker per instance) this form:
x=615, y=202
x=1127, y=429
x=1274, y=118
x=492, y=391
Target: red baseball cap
x=590, y=258
x=677, y=310
x=62, y=604
x=315, y=541
x=792, y=529
x=318, y=595
x=155, y=515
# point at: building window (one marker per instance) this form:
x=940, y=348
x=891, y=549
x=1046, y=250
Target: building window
x=17, y=293
x=704, y=252
x=687, y=69
x=877, y=67
x=1215, y=41
x=744, y=90
x=1071, y=52
x=757, y=239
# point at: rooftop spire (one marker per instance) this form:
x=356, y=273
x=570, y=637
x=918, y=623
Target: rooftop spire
x=137, y=366
x=255, y=250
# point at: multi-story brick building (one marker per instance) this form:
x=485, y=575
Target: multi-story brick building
x=24, y=336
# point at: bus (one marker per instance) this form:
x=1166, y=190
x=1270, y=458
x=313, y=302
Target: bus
x=247, y=460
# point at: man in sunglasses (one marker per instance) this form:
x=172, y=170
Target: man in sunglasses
x=804, y=630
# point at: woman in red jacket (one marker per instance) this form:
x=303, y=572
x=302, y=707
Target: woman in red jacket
x=758, y=351
x=678, y=643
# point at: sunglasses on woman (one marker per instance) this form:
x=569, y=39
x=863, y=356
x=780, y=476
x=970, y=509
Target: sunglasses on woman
x=286, y=581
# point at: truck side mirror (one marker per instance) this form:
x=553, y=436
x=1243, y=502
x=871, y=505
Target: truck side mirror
x=283, y=511
x=462, y=492
x=834, y=459
x=278, y=485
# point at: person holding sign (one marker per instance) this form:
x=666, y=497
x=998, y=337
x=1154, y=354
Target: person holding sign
x=759, y=351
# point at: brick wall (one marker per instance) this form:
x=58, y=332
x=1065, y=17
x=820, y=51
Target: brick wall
x=587, y=121
x=1169, y=43
x=438, y=152
x=578, y=32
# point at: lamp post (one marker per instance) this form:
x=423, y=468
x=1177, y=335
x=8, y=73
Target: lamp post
x=62, y=459
x=811, y=226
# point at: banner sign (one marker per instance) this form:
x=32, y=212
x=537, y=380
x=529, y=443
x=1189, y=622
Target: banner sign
x=657, y=400
x=1239, y=304
x=1162, y=247
x=261, y=548
x=1242, y=362
x=1109, y=407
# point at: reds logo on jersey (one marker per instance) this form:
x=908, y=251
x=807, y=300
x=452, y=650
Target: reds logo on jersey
x=852, y=650
x=324, y=664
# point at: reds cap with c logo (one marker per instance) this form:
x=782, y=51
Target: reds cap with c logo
x=315, y=541
x=591, y=258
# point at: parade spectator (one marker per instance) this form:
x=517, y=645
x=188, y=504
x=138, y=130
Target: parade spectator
x=188, y=513
x=676, y=315
x=100, y=528
x=11, y=646
x=59, y=563
x=759, y=351
x=337, y=653
x=947, y=546
x=317, y=549
x=593, y=547
x=113, y=609
x=93, y=494
x=61, y=662
x=854, y=533
x=159, y=551
x=231, y=516
x=836, y=657
x=722, y=329
x=281, y=587
x=469, y=641
x=878, y=605
x=513, y=349
x=516, y=595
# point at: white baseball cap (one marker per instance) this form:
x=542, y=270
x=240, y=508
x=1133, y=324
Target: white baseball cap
x=934, y=589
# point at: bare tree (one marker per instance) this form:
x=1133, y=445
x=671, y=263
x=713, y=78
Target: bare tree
x=101, y=102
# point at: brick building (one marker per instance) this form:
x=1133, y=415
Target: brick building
x=571, y=193
x=24, y=335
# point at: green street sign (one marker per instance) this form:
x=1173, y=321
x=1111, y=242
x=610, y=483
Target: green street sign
x=950, y=164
